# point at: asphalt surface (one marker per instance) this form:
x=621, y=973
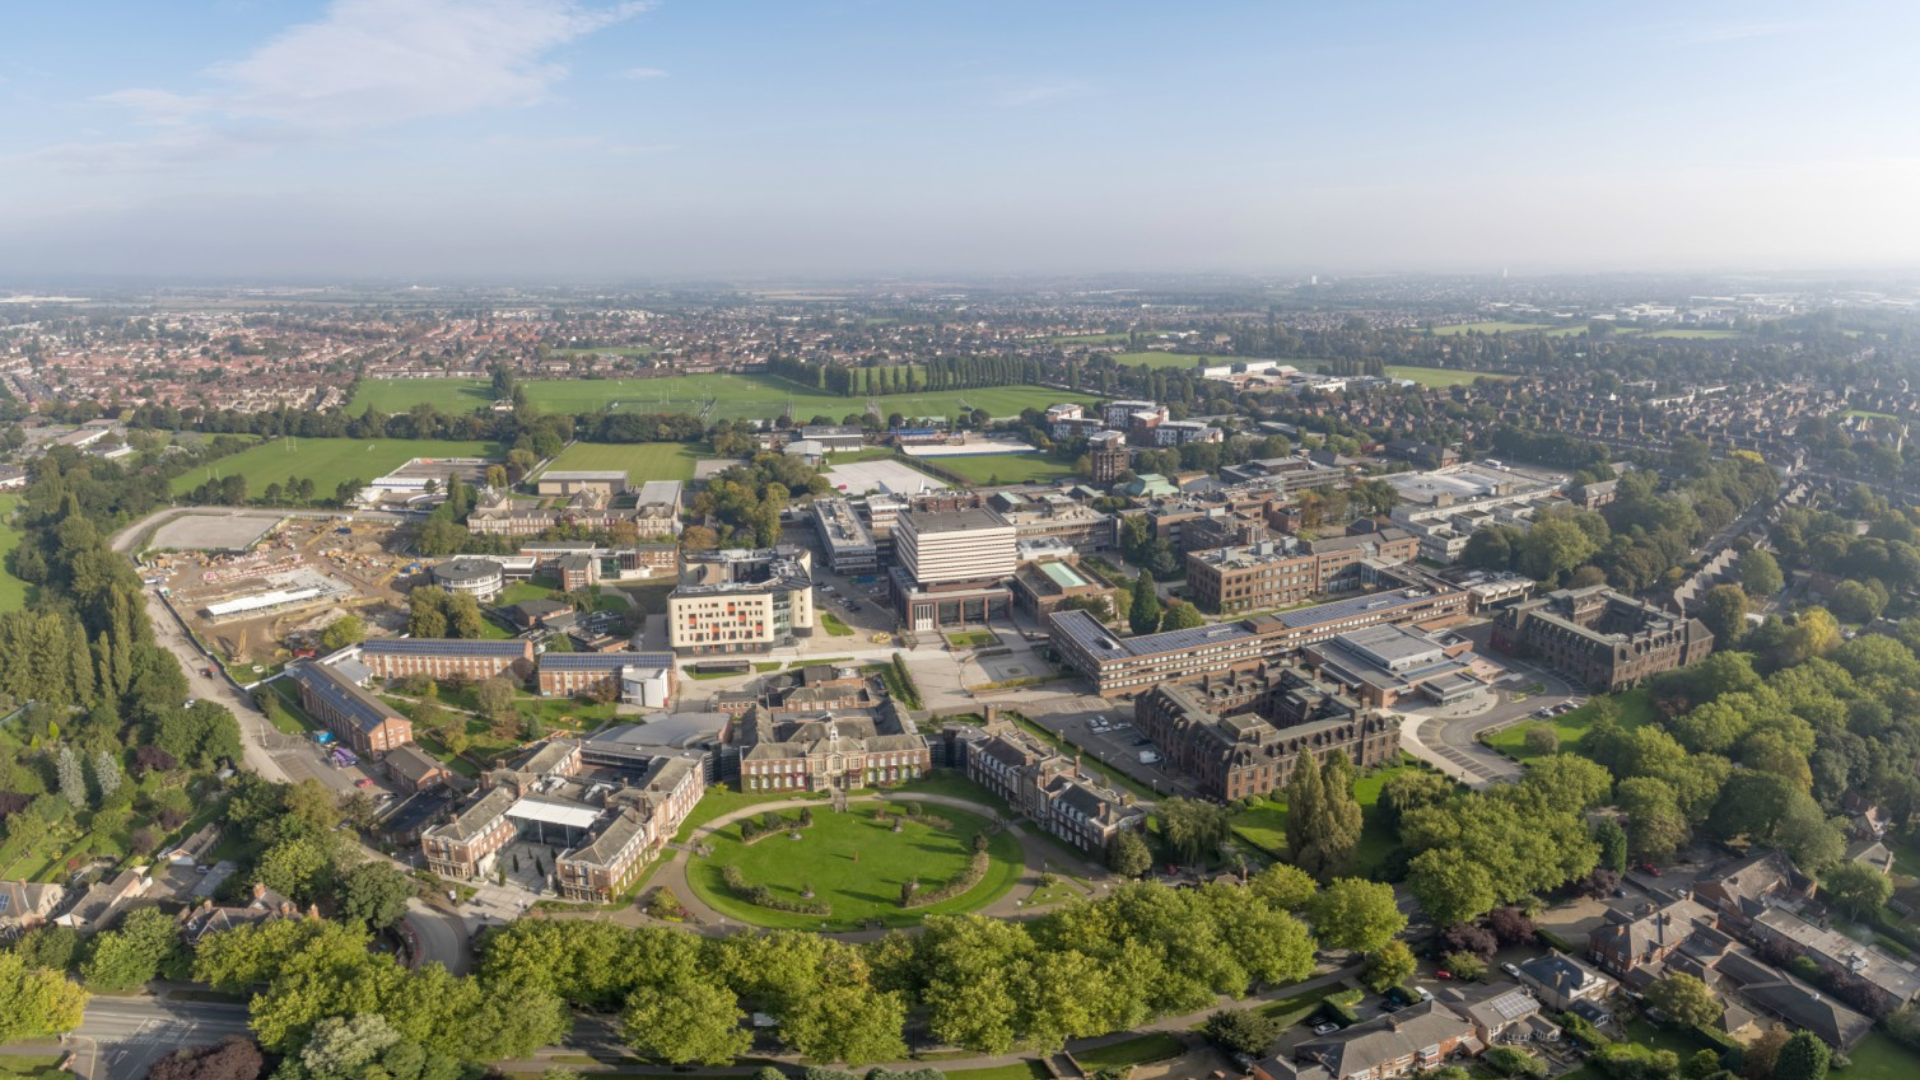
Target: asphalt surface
x=122, y=1037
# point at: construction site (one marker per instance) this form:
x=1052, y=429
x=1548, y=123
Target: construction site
x=272, y=601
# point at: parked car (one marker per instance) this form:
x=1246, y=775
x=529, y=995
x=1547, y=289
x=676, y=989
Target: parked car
x=1443, y=975
x=1325, y=1029
x=1425, y=994
x=363, y=782
x=1511, y=969
x=1650, y=868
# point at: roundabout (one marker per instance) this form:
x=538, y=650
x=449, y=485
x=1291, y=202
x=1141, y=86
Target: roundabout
x=856, y=863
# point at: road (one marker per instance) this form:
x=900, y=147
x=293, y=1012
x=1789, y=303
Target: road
x=1452, y=743
x=122, y=1037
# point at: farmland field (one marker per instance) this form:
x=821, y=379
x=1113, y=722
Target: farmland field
x=1008, y=468
x=732, y=397
x=13, y=591
x=1437, y=377
x=328, y=462
x=642, y=461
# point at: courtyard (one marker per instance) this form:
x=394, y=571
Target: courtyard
x=854, y=863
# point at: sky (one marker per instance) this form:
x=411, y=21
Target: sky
x=590, y=140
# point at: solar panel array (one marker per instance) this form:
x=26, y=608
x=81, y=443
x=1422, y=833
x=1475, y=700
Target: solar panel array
x=445, y=647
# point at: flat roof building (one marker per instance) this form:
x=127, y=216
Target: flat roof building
x=850, y=548
x=609, y=482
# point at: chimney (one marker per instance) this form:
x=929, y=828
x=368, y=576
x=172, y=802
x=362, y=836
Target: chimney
x=259, y=890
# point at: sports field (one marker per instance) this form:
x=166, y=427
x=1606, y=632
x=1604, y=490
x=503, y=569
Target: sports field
x=1002, y=468
x=642, y=461
x=716, y=396
x=398, y=395
x=1437, y=377
x=328, y=462
x=13, y=591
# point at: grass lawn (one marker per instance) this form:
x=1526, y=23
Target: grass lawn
x=1087, y=339
x=328, y=462
x=1693, y=335
x=1158, y=359
x=995, y=469
x=1291, y=1010
x=865, y=453
x=1636, y=710
x=1437, y=377
x=1158, y=1046
x=763, y=397
x=972, y=639
x=1680, y=1042
x=35, y=1067
x=1882, y=1057
x=717, y=801
x=857, y=865
x=398, y=395
x=13, y=591
x=833, y=626
x=642, y=461
x=1026, y=1069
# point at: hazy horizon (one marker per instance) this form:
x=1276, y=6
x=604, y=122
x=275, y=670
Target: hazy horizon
x=575, y=140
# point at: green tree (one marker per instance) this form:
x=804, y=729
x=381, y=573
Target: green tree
x=1323, y=818
x=1390, y=966
x=1283, y=887
x=1182, y=616
x=494, y=698
x=1242, y=1031
x=1684, y=1000
x=1724, y=612
x=1759, y=573
x=344, y=631
x=1613, y=845
x=1144, y=616
x=1656, y=827
x=36, y=1002
x=1450, y=890
x=1194, y=829
x=1128, y=855
x=374, y=894
x=1553, y=547
x=1857, y=888
x=686, y=1021
x=846, y=1021
x=1802, y=1057
x=131, y=955
x=1540, y=739
x=1356, y=914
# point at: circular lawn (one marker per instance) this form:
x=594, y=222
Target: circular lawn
x=855, y=864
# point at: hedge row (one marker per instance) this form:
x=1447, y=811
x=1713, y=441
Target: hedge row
x=966, y=879
x=918, y=817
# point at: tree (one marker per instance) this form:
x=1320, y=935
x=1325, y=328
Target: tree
x=1511, y=926
x=1128, y=855
x=1412, y=789
x=1540, y=740
x=232, y=1058
x=1684, y=1000
x=1554, y=546
x=1764, y=1051
x=1857, y=602
x=1242, y=1031
x=1802, y=1057
x=1283, y=887
x=131, y=955
x=1323, y=818
x=494, y=699
x=1356, y=914
x=1724, y=612
x=1182, y=616
x=36, y=1002
x=1194, y=829
x=1488, y=549
x=1656, y=828
x=374, y=894
x=687, y=1020
x=696, y=538
x=1857, y=888
x=106, y=774
x=342, y=632
x=1392, y=965
x=1759, y=573
x=1450, y=889
x=1513, y=1062
x=73, y=782
x=1144, y=616
x=1613, y=845
x=1464, y=966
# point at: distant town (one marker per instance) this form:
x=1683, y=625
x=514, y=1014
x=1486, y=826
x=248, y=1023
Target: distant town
x=1307, y=679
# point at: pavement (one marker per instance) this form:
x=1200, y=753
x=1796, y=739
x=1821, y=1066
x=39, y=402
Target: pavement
x=1452, y=743
x=122, y=1037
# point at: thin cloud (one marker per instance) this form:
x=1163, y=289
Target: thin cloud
x=368, y=64
x=639, y=73
x=1745, y=31
x=1038, y=92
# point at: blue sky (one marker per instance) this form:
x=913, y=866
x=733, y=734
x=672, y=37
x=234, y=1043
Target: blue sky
x=523, y=139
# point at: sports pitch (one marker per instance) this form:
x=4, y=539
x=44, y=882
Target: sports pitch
x=642, y=461
x=327, y=462
x=713, y=396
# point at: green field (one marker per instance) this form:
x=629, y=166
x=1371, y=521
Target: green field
x=1158, y=1046
x=1636, y=710
x=1087, y=339
x=642, y=461
x=1003, y=468
x=857, y=865
x=1869, y=414
x=1437, y=377
x=1881, y=1057
x=398, y=395
x=1173, y=360
x=1692, y=335
x=719, y=396
x=328, y=462
x=13, y=591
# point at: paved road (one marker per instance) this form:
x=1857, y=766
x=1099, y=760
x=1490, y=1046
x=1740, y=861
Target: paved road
x=1452, y=743
x=122, y=1037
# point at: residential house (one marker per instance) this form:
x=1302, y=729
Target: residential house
x=1559, y=981
x=27, y=904
x=1419, y=1037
